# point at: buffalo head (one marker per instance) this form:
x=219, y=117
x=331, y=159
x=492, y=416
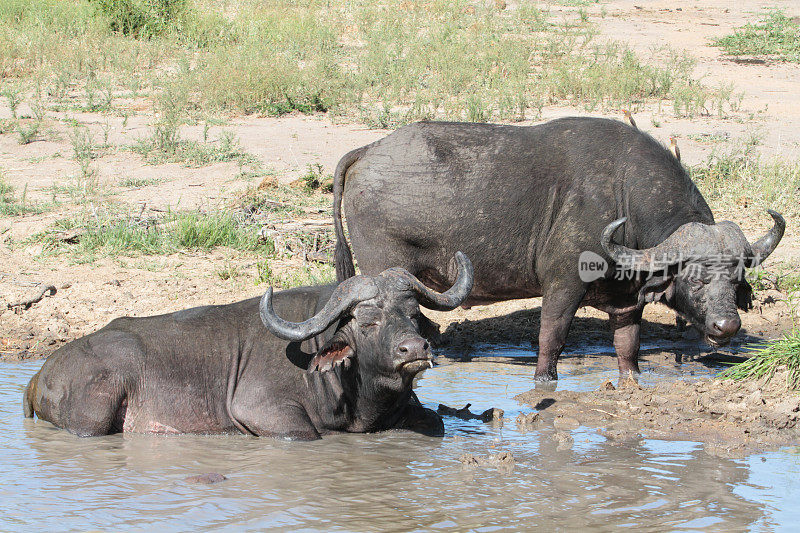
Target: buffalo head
x=701, y=269
x=379, y=323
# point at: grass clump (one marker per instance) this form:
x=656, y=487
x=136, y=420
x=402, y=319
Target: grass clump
x=204, y=232
x=314, y=179
x=28, y=132
x=229, y=272
x=775, y=35
x=388, y=62
x=142, y=18
x=782, y=354
x=757, y=184
x=10, y=205
x=282, y=200
x=166, y=146
x=137, y=183
x=786, y=281
x=174, y=232
x=308, y=274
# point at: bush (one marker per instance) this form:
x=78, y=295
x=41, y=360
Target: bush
x=775, y=35
x=142, y=18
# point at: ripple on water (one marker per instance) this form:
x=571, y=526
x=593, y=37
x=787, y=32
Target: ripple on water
x=390, y=481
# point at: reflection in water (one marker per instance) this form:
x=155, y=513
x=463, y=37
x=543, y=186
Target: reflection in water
x=389, y=481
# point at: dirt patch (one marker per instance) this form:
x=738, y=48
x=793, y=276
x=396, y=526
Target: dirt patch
x=90, y=295
x=730, y=418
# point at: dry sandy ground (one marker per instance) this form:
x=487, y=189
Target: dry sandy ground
x=89, y=295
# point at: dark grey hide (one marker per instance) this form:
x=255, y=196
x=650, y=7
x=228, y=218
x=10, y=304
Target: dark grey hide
x=331, y=359
x=525, y=202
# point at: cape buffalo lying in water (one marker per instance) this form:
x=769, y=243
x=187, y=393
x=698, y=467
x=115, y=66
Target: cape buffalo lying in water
x=525, y=202
x=347, y=365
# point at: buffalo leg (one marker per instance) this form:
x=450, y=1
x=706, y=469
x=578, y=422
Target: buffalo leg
x=626, y=330
x=76, y=391
x=287, y=421
x=558, y=309
x=421, y=420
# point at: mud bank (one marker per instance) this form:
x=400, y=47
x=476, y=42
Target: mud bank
x=731, y=418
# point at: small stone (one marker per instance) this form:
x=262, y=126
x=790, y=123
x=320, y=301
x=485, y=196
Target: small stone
x=607, y=386
x=206, y=479
x=526, y=420
x=504, y=460
x=491, y=415
x=468, y=459
x=566, y=423
x=789, y=408
x=563, y=439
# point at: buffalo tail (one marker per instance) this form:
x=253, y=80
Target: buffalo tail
x=28, y=406
x=343, y=256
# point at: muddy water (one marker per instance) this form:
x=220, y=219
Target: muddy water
x=396, y=481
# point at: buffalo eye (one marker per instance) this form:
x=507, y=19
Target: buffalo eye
x=696, y=284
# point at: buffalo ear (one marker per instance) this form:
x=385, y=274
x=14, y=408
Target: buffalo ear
x=744, y=296
x=658, y=289
x=331, y=356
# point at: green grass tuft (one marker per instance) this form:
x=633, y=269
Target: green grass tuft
x=389, y=62
x=775, y=35
x=736, y=179
x=308, y=274
x=142, y=18
x=10, y=205
x=765, y=361
x=174, y=232
x=164, y=147
x=137, y=183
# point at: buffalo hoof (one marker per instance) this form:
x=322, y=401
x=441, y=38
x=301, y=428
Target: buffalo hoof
x=206, y=479
x=545, y=385
x=545, y=377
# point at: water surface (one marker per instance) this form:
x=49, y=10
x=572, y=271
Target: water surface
x=394, y=481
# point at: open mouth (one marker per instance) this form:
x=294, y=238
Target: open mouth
x=717, y=342
x=416, y=365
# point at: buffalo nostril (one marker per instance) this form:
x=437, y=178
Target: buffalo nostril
x=416, y=347
x=727, y=326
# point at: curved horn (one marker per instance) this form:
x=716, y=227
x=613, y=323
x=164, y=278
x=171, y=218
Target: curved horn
x=651, y=259
x=347, y=294
x=450, y=299
x=767, y=244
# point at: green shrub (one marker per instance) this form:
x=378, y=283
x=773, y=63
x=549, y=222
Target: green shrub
x=735, y=178
x=142, y=18
x=774, y=35
x=176, y=231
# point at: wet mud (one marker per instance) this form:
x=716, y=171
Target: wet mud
x=730, y=418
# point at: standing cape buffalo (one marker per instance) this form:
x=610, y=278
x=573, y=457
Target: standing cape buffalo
x=525, y=202
x=347, y=366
